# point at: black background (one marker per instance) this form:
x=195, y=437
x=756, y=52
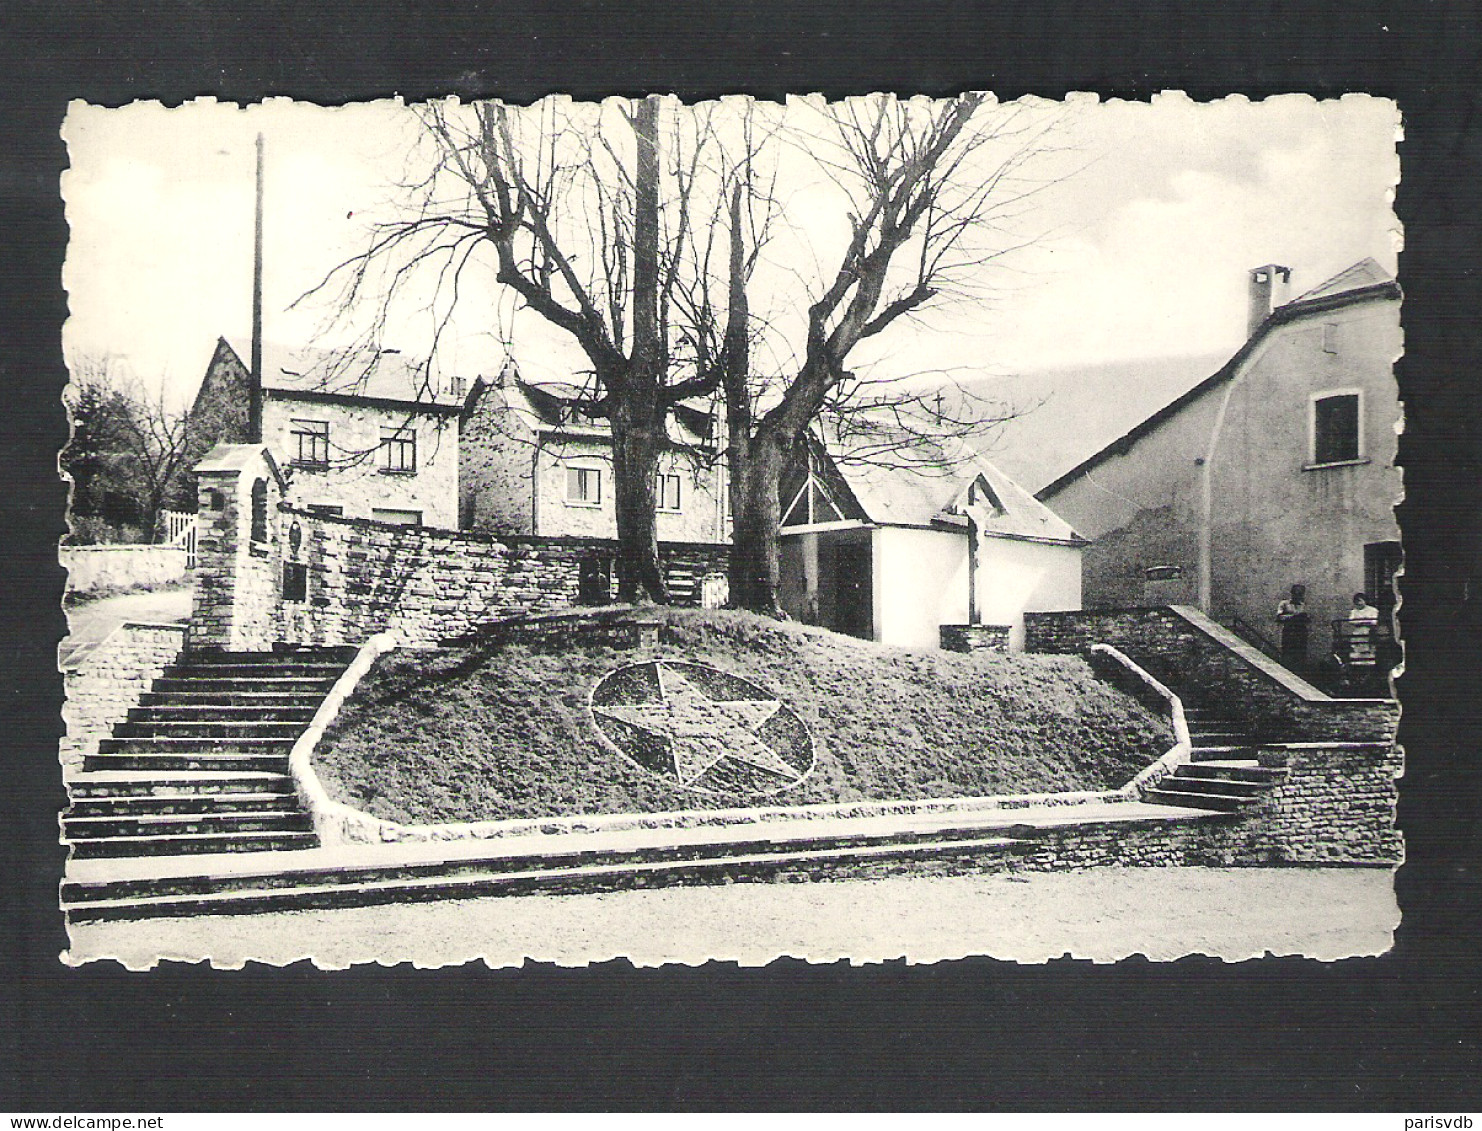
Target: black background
x=1396, y=1033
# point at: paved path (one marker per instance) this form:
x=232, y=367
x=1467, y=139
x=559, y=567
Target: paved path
x=89, y=623
x=1105, y=914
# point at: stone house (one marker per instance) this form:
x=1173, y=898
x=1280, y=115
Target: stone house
x=1277, y=469
x=901, y=554
x=363, y=435
x=536, y=460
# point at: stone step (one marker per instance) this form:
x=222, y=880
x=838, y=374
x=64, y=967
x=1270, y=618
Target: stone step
x=192, y=844
x=1211, y=737
x=80, y=828
x=132, y=805
x=1224, y=787
x=515, y=875
x=341, y=655
x=203, y=728
x=252, y=673
x=196, y=683
x=1241, y=769
x=107, y=784
x=1218, y=753
x=186, y=744
x=198, y=758
x=244, y=698
x=1188, y=800
x=177, y=712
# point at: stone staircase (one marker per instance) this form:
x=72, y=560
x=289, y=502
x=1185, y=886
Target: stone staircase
x=1223, y=773
x=588, y=862
x=201, y=764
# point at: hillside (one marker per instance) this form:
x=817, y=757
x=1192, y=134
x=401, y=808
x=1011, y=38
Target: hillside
x=492, y=731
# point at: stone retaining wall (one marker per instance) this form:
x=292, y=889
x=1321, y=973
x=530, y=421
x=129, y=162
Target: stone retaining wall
x=121, y=567
x=975, y=637
x=1180, y=645
x=108, y=681
x=268, y=572
x=1336, y=807
x=425, y=586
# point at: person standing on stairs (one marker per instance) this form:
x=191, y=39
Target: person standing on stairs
x=1293, y=617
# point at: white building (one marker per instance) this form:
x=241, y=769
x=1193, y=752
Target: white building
x=359, y=435
x=894, y=554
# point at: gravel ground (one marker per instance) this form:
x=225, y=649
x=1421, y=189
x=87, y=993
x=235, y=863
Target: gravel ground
x=1103, y=914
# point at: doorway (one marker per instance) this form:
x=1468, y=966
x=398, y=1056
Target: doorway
x=847, y=595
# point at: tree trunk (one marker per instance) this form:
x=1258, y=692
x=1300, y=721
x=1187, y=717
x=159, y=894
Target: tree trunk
x=635, y=414
x=635, y=463
x=756, y=554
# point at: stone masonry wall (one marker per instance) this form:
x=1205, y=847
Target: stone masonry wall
x=109, y=680
x=237, y=576
x=975, y=637
x=121, y=567
x=354, y=479
x=1181, y=646
x=429, y=585
x=1337, y=806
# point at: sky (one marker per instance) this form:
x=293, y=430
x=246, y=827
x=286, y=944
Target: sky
x=1151, y=216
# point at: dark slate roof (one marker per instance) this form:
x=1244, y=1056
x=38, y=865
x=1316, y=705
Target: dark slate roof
x=563, y=404
x=322, y=373
x=1344, y=289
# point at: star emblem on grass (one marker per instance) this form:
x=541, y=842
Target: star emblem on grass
x=699, y=734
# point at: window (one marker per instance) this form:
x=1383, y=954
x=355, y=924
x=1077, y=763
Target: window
x=323, y=509
x=457, y=386
x=397, y=517
x=260, y=511
x=666, y=492
x=295, y=581
x=1335, y=428
x=1330, y=337
x=311, y=443
x=583, y=487
x=399, y=450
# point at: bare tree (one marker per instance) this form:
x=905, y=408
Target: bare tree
x=932, y=188
x=639, y=229
x=589, y=214
x=127, y=454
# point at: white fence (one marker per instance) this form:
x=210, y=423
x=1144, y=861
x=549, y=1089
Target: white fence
x=180, y=530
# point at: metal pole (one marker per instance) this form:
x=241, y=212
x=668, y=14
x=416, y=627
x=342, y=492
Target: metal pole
x=254, y=388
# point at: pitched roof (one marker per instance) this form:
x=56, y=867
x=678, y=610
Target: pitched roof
x=1363, y=282
x=562, y=404
x=1058, y=415
x=924, y=496
x=1365, y=273
x=239, y=457
x=384, y=375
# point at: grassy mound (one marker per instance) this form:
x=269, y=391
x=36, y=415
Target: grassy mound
x=490, y=731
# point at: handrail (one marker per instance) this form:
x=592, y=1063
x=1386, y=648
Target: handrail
x=1254, y=636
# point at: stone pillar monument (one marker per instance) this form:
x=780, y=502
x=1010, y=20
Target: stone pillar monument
x=238, y=584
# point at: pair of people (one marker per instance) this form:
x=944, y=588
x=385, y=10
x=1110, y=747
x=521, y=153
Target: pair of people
x=1295, y=623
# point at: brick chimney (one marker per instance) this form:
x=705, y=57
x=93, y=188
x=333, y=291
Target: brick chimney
x=1270, y=287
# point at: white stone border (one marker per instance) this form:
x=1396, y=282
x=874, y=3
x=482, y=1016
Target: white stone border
x=1183, y=746
x=337, y=823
